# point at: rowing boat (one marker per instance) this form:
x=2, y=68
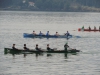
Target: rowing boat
x=10, y=50
x=27, y=35
x=80, y=29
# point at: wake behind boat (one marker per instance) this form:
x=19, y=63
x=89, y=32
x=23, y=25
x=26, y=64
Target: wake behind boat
x=27, y=35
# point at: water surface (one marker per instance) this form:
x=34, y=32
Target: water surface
x=14, y=23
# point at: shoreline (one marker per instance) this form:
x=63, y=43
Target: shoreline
x=85, y=10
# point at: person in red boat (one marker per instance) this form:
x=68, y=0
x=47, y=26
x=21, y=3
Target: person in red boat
x=94, y=27
x=82, y=28
x=89, y=28
x=41, y=33
x=34, y=33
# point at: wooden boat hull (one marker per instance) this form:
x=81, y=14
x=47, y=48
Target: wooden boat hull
x=9, y=50
x=26, y=35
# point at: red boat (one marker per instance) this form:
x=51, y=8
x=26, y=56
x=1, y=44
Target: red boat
x=80, y=29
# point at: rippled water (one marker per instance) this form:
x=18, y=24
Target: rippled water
x=14, y=23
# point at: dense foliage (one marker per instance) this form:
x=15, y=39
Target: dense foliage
x=52, y=5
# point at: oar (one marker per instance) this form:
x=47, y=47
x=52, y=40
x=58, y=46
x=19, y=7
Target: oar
x=76, y=36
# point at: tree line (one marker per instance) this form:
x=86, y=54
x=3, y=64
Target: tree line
x=52, y=5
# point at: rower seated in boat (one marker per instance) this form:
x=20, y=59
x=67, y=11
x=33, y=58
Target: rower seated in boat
x=34, y=33
x=89, y=28
x=94, y=28
x=82, y=28
x=66, y=46
x=13, y=47
x=48, y=48
x=25, y=48
x=47, y=33
x=56, y=34
x=41, y=33
x=38, y=49
x=67, y=33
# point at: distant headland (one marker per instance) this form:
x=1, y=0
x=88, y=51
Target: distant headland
x=51, y=5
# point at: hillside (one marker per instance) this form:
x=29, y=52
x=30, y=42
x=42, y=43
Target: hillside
x=51, y=5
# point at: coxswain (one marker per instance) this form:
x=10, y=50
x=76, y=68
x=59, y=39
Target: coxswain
x=82, y=28
x=66, y=46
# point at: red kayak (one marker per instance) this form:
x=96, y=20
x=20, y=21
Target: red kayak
x=88, y=30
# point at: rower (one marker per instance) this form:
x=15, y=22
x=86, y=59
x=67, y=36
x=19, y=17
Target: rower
x=66, y=46
x=82, y=28
x=56, y=34
x=48, y=48
x=89, y=28
x=67, y=33
x=13, y=47
x=38, y=49
x=47, y=33
x=94, y=28
x=41, y=33
x=25, y=48
x=34, y=33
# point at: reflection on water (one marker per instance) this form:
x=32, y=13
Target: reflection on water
x=48, y=55
x=65, y=54
x=38, y=54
